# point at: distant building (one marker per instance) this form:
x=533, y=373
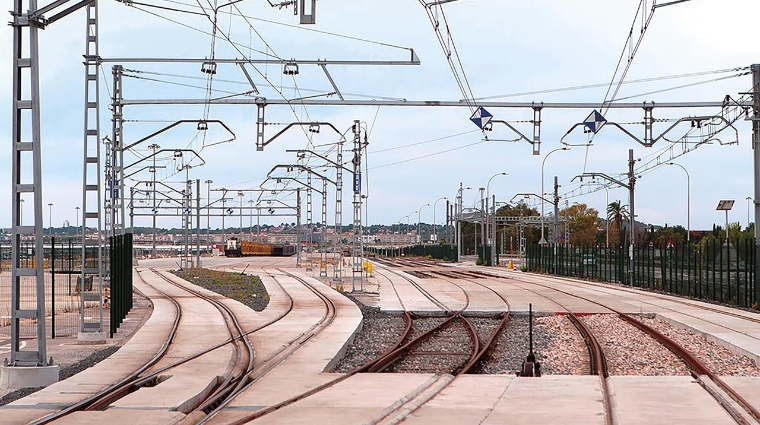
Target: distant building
x=66, y=223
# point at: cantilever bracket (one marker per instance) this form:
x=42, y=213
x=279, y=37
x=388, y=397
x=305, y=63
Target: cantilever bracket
x=201, y=124
x=248, y=77
x=329, y=77
x=290, y=167
x=260, y=143
x=604, y=176
x=536, y=132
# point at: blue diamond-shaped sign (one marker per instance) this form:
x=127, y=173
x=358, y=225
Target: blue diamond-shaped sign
x=481, y=117
x=595, y=122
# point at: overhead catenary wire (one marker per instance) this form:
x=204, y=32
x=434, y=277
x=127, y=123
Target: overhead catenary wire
x=428, y=155
x=233, y=44
x=446, y=44
x=683, y=86
x=302, y=28
x=393, y=148
x=599, y=85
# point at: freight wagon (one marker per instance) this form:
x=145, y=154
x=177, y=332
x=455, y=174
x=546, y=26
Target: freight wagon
x=234, y=247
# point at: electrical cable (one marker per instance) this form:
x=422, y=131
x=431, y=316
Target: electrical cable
x=424, y=142
x=428, y=155
x=302, y=28
x=698, y=83
x=598, y=85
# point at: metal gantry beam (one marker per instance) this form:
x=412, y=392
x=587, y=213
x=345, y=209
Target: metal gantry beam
x=414, y=60
x=426, y=103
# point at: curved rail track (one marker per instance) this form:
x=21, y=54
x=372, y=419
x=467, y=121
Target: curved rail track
x=698, y=370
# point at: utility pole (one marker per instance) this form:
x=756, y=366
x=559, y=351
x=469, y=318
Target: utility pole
x=555, y=222
x=631, y=187
x=457, y=213
x=208, y=215
x=357, y=253
x=198, y=223
x=756, y=147
x=154, y=147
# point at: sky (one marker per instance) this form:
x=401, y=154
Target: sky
x=415, y=155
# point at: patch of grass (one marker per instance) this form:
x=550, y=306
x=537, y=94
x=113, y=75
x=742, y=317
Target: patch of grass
x=243, y=288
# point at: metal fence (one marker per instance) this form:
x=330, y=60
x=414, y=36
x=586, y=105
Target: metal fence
x=439, y=252
x=62, y=263
x=121, y=279
x=710, y=270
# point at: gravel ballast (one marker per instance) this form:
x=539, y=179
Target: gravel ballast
x=630, y=351
x=717, y=358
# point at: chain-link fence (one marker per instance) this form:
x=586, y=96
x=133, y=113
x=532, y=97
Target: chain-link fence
x=62, y=264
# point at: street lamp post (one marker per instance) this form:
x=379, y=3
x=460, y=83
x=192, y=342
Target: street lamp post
x=434, y=225
x=208, y=213
x=688, y=200
x=749, y=198
x=224, y=212
x=50, y=218
x=241, y=195
x=607, y=203
x=419, y=225
x=458, y=212
x=564, y=148
x=488, y=215
x=77, y=208
x=408, y=220
x=250, y=218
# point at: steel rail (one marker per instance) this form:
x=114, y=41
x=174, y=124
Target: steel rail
x=490, y=343
x=396, y=354
x=282, y=354
x=692, y=362
x=505, y=316
x=232, y=381
x=124, y=385
x=184, y=360
x=597, y=359
x=446, y=309
x=598, y=363
x=404, y=335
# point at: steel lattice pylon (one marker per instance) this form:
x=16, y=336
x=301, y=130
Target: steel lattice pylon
x=357, y=254
x=26, y=73
x=92, y=253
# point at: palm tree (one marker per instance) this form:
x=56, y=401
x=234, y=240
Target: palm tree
x=616, y=214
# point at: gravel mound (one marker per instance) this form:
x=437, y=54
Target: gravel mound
x=247, y=289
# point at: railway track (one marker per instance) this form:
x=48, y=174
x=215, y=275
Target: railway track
x=717, y=388
x=144, y=376
x=723, y=393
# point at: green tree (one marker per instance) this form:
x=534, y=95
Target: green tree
x=583, y=224
x=668, y=234
x=616, y=214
